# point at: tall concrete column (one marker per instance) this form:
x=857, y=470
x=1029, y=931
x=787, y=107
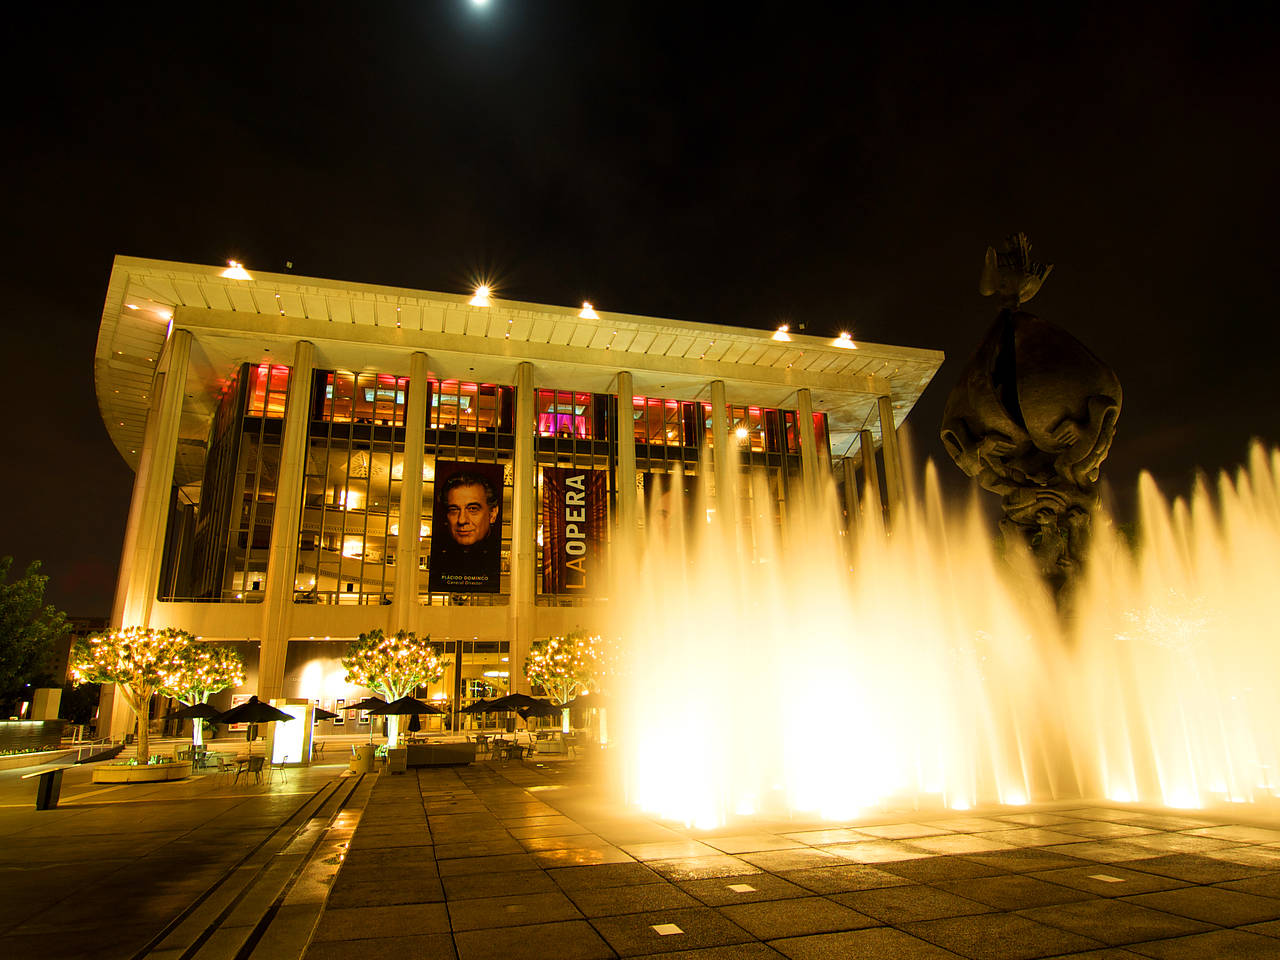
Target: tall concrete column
x=808, y=446
x=282, y=559
x=723, y=456
x=524, y=531
x=893, y=479
x=851, y=504
x=149, y=509
x=409, y=539
x=626, y=441
x=872, y=511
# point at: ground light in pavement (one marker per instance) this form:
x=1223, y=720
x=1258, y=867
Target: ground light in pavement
x=783, y=667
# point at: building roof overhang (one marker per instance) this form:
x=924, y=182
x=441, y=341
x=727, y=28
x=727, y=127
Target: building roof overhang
x=365, y=327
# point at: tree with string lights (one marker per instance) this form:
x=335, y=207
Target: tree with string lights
x=565, y=667
x=138, y=660
x=393, y=665
x=198, y=671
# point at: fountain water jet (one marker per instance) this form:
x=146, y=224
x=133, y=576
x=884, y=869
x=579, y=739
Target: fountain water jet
x=784, y=669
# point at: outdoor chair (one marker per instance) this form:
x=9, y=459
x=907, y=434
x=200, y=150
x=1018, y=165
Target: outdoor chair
x=226, y=769
x=570, y=745
x=482, y=745
x=280, y=769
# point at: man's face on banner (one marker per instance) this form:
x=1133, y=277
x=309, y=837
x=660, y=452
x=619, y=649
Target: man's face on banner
x=469, y=514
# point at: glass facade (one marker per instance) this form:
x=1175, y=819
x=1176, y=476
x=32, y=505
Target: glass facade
x=219, y=534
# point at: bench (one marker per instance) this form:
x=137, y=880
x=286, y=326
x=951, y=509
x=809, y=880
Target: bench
x=443, y=754
x=49, y=789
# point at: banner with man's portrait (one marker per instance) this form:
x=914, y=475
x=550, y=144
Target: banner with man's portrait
x=574, y=504
x=466, y=528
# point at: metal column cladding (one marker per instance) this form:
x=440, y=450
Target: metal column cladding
x=573, y=524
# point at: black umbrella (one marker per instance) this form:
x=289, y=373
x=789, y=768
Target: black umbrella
x=480, y=706
x=591, y=701
x=368, y=703
x=543, y=708
x=197, y=711
x=514, y=701
x=414, y=723
x=252, y=713
x=405, y=706
x=322, y=714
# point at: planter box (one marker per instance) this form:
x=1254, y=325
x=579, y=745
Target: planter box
x=443, y=754
x=150, y=773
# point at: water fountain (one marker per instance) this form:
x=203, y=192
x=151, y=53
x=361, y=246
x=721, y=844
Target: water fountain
x=791, y=670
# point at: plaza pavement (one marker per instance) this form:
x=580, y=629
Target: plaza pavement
x=524, y=861
x=537, y=860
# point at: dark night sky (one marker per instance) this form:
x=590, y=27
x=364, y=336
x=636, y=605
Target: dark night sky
x=722, y=163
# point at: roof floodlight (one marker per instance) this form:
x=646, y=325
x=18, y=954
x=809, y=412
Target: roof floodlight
x=481, y=299
x=782, y=334
x=235, y=271
x=844, y=341
x=588, y=312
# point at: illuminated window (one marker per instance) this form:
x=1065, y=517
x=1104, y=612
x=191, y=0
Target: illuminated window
x=564, y=414
x=471, y=407
x=268, y=389
x=377, y=398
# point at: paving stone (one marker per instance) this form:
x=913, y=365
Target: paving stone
x=1195, y=869
x=795, y=917
x=817, y=837
x=941, y=868
x=568, y=940
x=580, y=856
x=883, y=851
x=1102, y=829
x=1179, y=843
x=1267, y=885
x=719, y=891
x=999, y=936
x=841, y=879
x=903, y=831
x=739, y=951
x=1121, y=882
x=1226, y=908
x=633, y=934
x=799, y=858
x=1015, y=892
x=754, y=843
x=510, y=911
x=1104, y=851
x=461, y=849
x=403, y=920
x=642, y=898
x=877, y=943
x=1266, y=857
x=509, y=863
x=1114, y=922
x=899, y=905
x=476, y=885
x=1025, y=860
x=1037, y=819
x=603, y=875
x=1219, y=945
x=1028, y=836
x=697, y=868
x=963, y=843
x=669, y=850
x=385, y=891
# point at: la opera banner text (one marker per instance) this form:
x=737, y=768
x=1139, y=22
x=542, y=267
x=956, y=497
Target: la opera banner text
x=573, y=512
x=466, y=528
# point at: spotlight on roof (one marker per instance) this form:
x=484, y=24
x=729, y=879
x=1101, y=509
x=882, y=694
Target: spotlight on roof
x=235, y=271
x=481, y=299
x=588, y=312
x=844, y=341
x=782, y=334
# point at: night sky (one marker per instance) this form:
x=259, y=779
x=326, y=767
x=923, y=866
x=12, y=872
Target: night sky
x=727, y=163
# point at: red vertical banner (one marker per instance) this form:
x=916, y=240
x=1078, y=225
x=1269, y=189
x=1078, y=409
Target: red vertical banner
x=573, y=531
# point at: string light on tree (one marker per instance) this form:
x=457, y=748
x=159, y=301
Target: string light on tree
x=393, y=666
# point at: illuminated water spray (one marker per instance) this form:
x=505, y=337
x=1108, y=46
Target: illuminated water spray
x=789, y=669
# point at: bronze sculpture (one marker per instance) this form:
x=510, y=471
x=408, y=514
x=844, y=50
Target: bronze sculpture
x=1033, y=417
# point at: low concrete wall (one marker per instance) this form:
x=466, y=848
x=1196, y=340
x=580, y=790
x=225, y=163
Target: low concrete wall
x=19, y=760
x=141, y=773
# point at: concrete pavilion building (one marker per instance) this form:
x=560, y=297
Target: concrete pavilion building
x=286, y=433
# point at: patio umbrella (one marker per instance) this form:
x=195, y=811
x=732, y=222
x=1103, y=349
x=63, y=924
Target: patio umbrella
x=368, y=703
x=480, y=706
x=514, y=701
x=414, y=723
x=253, y=712
x=196, y=712
x=322, y=714
x=405, y=706
x=543, y=708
